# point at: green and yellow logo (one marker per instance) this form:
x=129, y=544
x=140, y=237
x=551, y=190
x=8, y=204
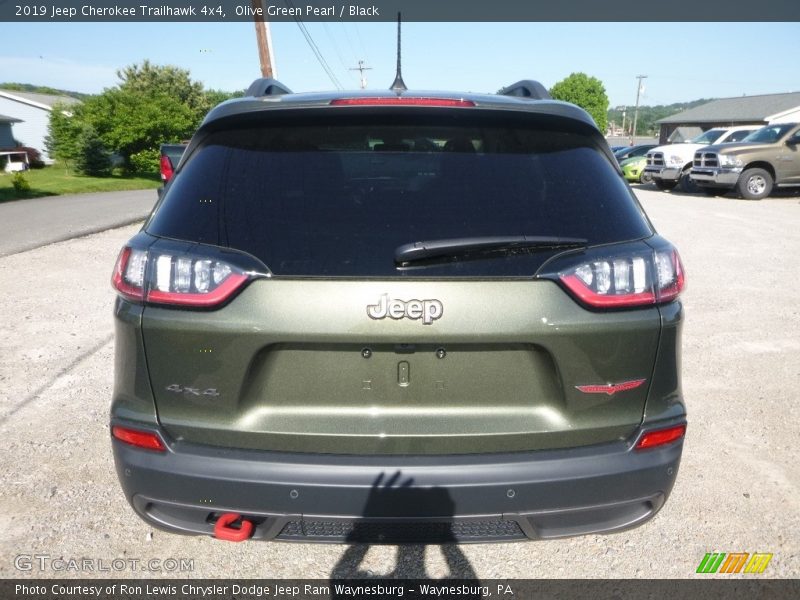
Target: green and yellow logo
x=734, y=562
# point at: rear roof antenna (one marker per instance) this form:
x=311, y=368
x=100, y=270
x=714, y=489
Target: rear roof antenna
x=398, y=85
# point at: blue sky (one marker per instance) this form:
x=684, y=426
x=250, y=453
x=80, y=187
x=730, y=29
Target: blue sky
x=683, y=61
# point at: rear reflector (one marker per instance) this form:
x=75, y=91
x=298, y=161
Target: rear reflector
x=660, y=437
x=141, y=439
x=401, y=101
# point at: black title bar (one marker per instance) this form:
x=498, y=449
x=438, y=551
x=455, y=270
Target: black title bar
x=389, y=589
x=47, y=11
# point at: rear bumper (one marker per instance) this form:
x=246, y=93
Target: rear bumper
x=378, y=499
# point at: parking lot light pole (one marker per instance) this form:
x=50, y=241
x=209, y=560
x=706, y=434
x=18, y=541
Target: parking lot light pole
x=636, y=110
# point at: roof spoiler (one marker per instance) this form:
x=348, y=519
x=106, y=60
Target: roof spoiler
x=527, y=88
x=266, y=86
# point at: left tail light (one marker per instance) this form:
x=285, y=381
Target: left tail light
x=164, y=277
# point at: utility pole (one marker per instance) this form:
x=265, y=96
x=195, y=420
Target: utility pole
x=361, y=68
x=636, y=111
x=263, y=39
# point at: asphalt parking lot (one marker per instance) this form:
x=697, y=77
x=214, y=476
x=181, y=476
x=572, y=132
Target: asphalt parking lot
x=738, y=489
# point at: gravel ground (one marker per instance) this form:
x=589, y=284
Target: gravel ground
x=738, y=489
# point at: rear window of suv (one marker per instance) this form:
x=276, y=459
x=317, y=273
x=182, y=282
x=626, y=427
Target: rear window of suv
x=336, y=198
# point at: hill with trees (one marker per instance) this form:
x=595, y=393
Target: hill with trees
x=648, y=115
x=41, y=89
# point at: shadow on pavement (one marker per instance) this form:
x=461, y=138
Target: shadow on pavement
x=387, y=498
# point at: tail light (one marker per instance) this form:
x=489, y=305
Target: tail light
x=162, y=277
x=627, y=276
x=166, y=168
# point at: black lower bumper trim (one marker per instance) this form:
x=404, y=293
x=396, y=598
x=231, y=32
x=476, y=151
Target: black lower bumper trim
x=422, y=499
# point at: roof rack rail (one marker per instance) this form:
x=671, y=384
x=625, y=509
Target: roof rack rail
x=266, y=86
x=527, y=88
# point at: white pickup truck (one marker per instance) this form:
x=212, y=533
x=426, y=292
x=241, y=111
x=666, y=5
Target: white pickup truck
x=669, y=165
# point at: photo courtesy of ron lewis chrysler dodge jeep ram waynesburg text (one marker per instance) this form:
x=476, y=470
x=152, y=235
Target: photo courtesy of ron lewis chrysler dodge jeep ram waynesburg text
x=397, y=317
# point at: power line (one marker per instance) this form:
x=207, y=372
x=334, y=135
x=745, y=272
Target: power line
x=361, y=42
x=335, y=45
x=315, y=49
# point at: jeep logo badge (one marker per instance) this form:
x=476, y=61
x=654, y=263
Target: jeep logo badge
x=427, y=310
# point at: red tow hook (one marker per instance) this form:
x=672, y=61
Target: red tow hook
x=224, y=531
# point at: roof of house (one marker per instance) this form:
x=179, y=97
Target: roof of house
x=742, y=109
x=5, y=119
x=684, y=134
x=46, y=101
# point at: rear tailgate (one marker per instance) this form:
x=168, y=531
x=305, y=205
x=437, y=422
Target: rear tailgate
x=300, y=366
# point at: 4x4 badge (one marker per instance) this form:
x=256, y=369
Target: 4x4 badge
x=427, y=310
x=179, y=389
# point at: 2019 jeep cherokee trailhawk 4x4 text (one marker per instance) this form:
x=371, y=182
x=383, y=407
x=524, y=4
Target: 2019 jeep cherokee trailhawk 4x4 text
x=397, y=316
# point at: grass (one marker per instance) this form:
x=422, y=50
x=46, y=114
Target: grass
x=56, y=181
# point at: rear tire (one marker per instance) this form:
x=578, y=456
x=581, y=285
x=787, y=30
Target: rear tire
x=754, y=184
x=665, y=185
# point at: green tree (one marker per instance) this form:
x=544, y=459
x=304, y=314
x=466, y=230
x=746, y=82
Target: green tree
x=92, y=156
x=165, y=80
x=62, y=135
x=151, y=105
x=587, y=92
x=131, y=121
x=215, y=97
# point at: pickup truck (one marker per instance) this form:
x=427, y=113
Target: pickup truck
x=767, y=158
x=669, y=166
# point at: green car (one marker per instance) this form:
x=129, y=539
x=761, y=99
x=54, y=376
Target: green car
x=633, y=170
x=397, y=317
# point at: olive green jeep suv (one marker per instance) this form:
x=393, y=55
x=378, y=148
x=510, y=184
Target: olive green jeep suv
x=397, y=317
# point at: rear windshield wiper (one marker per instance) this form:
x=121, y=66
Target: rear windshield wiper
x=456, y=247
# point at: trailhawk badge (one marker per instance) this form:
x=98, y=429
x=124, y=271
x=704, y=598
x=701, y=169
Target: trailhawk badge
x=427, y=310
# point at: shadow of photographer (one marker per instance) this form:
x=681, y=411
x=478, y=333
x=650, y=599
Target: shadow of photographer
x=388, y=504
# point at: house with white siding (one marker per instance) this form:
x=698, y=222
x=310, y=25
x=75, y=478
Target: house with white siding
x=30, y=113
